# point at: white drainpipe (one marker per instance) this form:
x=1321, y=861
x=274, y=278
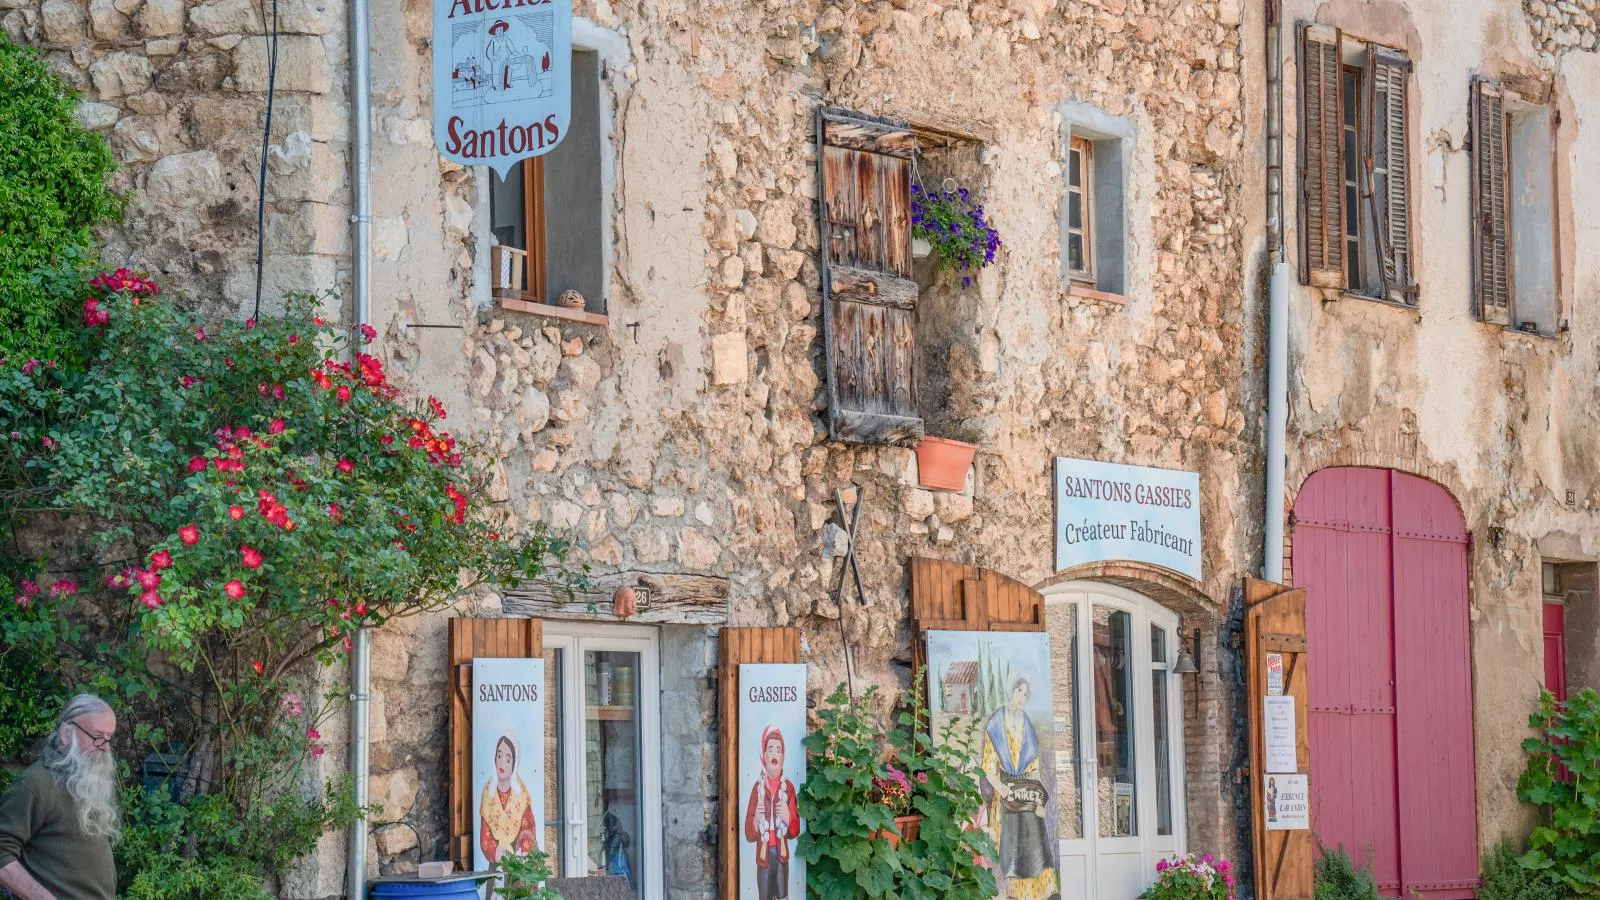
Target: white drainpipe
x=1277, y=418
x=361, y=287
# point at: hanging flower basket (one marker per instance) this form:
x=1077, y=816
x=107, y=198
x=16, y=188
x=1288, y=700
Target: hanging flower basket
x=954, y=228
x=942, y=463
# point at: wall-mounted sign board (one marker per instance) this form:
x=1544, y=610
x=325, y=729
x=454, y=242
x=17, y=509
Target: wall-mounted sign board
x=507, y=757
x=1108, y=511
x=502, y=79
x=772, y=766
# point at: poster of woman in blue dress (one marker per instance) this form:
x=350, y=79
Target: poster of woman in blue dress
x=1001, y=683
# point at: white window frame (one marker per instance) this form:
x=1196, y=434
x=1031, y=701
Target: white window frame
x=1147, y=846
x=574, y=639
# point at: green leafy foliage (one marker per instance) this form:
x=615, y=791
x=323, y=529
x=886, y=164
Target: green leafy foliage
x=1562, y=778
x=522, y=876
x=842, y=802
x=1504, y=878
x=1339, y=878
x=237, y=501
x=53, y=191
x=955, y=228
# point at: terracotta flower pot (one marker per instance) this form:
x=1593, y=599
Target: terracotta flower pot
x=905, y=828
x=942, y=464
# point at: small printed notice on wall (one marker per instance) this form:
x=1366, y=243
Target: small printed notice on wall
x=507, y=757
x=1288, y=801
x=772, y=761
x=1274, y=674
x=1280, y=734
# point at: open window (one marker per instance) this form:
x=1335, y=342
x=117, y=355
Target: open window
x=1514, y=210
x=1094, y=221
x=547, y=214
x=1355, y=194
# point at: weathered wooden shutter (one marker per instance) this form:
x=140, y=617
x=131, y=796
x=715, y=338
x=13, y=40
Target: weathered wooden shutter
x=469, y=638
x=737, y=646
x=1390, y=148
x=948, y=596
x=1491, y=226
x=1322, y=210
x=1275, y=622
x=869, y=299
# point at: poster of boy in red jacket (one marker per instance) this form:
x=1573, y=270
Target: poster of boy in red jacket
x=771, y=819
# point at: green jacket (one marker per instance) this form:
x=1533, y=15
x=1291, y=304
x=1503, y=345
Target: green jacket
x=39, y=828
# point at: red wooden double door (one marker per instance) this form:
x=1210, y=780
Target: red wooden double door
x=1383, y=558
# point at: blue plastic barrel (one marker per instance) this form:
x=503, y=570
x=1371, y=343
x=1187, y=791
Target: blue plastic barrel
x=463, y=889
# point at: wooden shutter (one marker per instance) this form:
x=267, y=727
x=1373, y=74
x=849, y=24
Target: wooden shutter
x=1491, y=221
x=737, y=646
x=1275, y=622
x=469, y=638
x=1321, y=156
x=1390, y=143
x=869, y=300
x=948, y=596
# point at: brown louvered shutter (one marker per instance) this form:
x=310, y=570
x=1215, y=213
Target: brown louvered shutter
x=1490, y=219
x=869, y=299
x=1321, y=157
x=1390, y=148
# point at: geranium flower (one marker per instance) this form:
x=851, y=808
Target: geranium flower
x=250, y=556
x=234, y=589
x=189, y=534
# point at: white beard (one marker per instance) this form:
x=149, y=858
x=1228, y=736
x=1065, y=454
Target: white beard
x=90, y=779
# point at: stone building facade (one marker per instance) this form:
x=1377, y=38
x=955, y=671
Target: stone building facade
x=678, y=426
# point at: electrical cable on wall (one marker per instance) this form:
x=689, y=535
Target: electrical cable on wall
x=266, y=142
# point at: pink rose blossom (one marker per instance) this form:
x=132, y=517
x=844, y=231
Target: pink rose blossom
x=63, y=588
x=149, y=579
x=189, y=534
x=250, y=556
x=234, y=589
x=161, y=559
x=292, y=705
x=276, y=426
x=368, y=332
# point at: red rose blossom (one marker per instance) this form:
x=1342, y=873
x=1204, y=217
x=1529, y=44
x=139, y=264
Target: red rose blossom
x=346, y=466
x=313, y=734
x=63, y=588
x=260, y=669
x=234, y=589
x=276, y=426
x=189, y=534
x=197, y=463
x=344, y=393
x=161, y=559
x=251, y=556
x=236, y=513
x=150, y=599
x=149, y=579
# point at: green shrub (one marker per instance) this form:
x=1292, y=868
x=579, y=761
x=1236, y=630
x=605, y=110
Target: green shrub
x=1563, y=780
x=53, y=192
x=1339, y=878
x=1504, y=878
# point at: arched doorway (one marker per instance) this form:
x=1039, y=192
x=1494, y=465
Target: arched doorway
x=1383, y=558
x=1118, y=709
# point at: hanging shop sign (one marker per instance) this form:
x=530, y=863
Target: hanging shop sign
x=1107, y=511
x=772, y=761
x=1000, y=682
x=507, y=757
x=502, y=79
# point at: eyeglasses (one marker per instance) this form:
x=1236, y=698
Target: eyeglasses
x=97, y=741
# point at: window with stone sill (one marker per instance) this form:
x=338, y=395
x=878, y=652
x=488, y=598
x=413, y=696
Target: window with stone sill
x=1094, y=224
x=547, y=214
x=1514, y=222
x=1355, y=166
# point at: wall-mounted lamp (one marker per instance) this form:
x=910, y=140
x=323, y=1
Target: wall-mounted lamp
x=1186, y=664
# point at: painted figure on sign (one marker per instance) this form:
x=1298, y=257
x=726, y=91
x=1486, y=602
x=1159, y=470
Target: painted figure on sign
x=1272, y=799
x=772, y=819
x=506, y=807
x=501, y=53
x=1017, y=799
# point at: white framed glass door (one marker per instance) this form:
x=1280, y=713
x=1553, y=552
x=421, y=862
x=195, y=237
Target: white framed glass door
x=603, y=754
x=1120, y=767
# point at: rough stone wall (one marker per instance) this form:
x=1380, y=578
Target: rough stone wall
x=684, y=435
x=1503, y=420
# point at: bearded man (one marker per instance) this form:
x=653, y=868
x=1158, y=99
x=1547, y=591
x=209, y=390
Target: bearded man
x=60, y=817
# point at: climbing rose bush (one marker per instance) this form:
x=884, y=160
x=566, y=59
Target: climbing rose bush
x=248, y=494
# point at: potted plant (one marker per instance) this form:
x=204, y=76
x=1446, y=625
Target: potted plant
x=523, y=876
x=954, y=228
x=1192, y=877
x=888, y=810
x=945, y=454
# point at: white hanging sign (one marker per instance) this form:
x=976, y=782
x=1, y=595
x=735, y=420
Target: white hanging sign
x=502, y=79
x=1109, y=511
